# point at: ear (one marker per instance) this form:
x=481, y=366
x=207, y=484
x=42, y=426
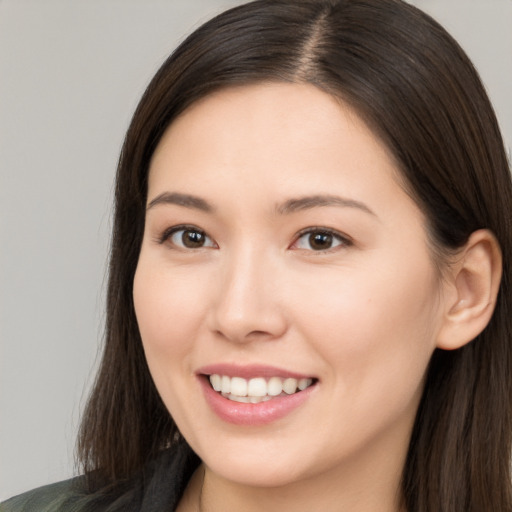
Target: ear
x=473, y=282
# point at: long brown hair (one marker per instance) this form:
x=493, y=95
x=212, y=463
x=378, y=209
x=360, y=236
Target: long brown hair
x=415, y=87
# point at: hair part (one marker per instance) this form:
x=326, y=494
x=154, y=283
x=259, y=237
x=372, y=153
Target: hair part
x=416, y=89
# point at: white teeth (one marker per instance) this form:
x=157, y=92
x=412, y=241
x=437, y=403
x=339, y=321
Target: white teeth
x=290, y=386
x=274, y=386
x=225, y=384
x=235, y=398
x=303, y=384
x=247, y=399
x=238, y=386
x=258, y=399
x=216, y=381
x=257, y=389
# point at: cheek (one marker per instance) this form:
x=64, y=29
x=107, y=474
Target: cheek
x=168, y=312
x=376, y=336
x=169, y=316
x=373, y=326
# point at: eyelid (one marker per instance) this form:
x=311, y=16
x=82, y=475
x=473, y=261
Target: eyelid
x=169, y=232
x=345, y=240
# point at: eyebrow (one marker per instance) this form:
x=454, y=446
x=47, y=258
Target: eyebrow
x=186, y=200
x=308, y=202
x=288, y=207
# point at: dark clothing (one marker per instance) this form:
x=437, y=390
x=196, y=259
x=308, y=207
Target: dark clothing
x=158, y=487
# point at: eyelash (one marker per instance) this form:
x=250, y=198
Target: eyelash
x=343, y=241
x=170, y=232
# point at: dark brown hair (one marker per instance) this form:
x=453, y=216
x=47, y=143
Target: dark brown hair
x=417, y=90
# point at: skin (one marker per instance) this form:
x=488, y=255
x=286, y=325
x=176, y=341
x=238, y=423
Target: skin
x=363, y=316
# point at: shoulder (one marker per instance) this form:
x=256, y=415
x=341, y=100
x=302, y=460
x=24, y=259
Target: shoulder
x=73, y=496
x=159, y=486
x=61, y=496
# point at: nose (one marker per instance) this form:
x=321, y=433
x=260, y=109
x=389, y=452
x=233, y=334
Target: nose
x=247, y=305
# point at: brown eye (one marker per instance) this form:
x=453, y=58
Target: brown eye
x=193, y=239
x=190, y=238
x=320, y=240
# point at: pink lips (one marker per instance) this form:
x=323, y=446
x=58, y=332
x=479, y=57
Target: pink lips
x=246, y=413
x=249, y=371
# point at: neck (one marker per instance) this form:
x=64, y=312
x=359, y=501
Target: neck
x=302, y=496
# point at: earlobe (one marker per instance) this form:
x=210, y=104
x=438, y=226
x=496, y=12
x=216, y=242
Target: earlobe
x=474, y=282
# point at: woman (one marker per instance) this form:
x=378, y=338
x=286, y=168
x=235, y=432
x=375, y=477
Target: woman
x=309, y=301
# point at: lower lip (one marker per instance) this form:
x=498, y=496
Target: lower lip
x=253, y=414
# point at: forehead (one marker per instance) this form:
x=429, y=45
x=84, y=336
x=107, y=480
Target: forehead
x=305, y=117
x=265, y=107
x=273, y=137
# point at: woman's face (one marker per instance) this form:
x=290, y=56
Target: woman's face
x=279, y=245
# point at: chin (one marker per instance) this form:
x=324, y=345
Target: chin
x=259, y=462
x=261, y=473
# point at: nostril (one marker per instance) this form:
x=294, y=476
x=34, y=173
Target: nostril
x=241, y=337
x=258, y=334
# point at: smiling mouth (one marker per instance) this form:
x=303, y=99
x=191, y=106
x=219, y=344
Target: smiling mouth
x=258, y=389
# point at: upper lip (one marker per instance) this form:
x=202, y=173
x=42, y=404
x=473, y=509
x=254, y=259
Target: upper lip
x=250, y=371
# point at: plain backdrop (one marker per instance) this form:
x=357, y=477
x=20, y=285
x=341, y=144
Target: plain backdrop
x=71, y=73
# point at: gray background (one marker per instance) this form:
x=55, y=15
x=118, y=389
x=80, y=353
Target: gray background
x=71, y=73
